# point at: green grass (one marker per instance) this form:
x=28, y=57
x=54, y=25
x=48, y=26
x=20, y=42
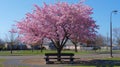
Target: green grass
x=21, y=52
x=1, y=61
x=108, y=65
x=22, y=66
x=115, y=58
x=80, y=66
x=79, y=52
x=38, y=52
x=12, y=66
x=90, y=66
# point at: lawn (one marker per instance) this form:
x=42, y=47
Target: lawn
x=115, y=58
x=80, y=66
x=91, y=66
x=1, y=61
x=108, y=65
x=38, y=52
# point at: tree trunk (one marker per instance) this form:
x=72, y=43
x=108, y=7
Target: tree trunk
x=11, y=49
x=32, y=49
x=41, y=48
x=59, y=54
x=76, y=48
x=75, y=43
x=59, y=46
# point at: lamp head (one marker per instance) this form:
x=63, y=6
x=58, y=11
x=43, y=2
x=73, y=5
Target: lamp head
x=115, y=11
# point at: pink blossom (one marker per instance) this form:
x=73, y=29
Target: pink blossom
x=58, y=22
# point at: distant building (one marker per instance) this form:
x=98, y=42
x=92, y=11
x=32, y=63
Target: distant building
x=18, y=46
x=8, y=46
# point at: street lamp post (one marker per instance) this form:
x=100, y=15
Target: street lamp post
x=115, y=11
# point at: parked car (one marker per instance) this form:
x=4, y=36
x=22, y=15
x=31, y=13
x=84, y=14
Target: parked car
x=96, y=48
x=51, y=46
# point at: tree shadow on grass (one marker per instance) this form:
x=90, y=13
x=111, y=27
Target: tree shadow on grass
x=97, y=63
x=90, y=63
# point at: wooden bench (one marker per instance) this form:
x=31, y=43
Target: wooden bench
x=63, y=56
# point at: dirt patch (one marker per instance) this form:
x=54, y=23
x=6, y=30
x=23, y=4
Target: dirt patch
x=34, y=61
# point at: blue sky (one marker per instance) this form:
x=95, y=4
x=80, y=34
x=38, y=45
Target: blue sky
x=15, y=10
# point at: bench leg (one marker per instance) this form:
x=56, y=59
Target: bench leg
x=47, y=61
x=71, y=60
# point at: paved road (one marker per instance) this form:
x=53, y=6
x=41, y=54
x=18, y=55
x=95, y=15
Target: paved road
x=15, y=61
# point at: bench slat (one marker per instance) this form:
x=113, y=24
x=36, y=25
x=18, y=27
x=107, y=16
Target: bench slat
x=63, y=56
x=57, y=58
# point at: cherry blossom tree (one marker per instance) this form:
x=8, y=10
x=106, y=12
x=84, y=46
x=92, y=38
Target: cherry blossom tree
x=58, y=23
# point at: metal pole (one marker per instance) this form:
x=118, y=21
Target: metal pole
x=111, y=34
x=115, y=11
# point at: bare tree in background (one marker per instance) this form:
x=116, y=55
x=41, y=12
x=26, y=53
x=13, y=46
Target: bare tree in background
x=39, y=43
x=11, y=39
x=116, y=34
x=101, y=40
x=1, y=44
